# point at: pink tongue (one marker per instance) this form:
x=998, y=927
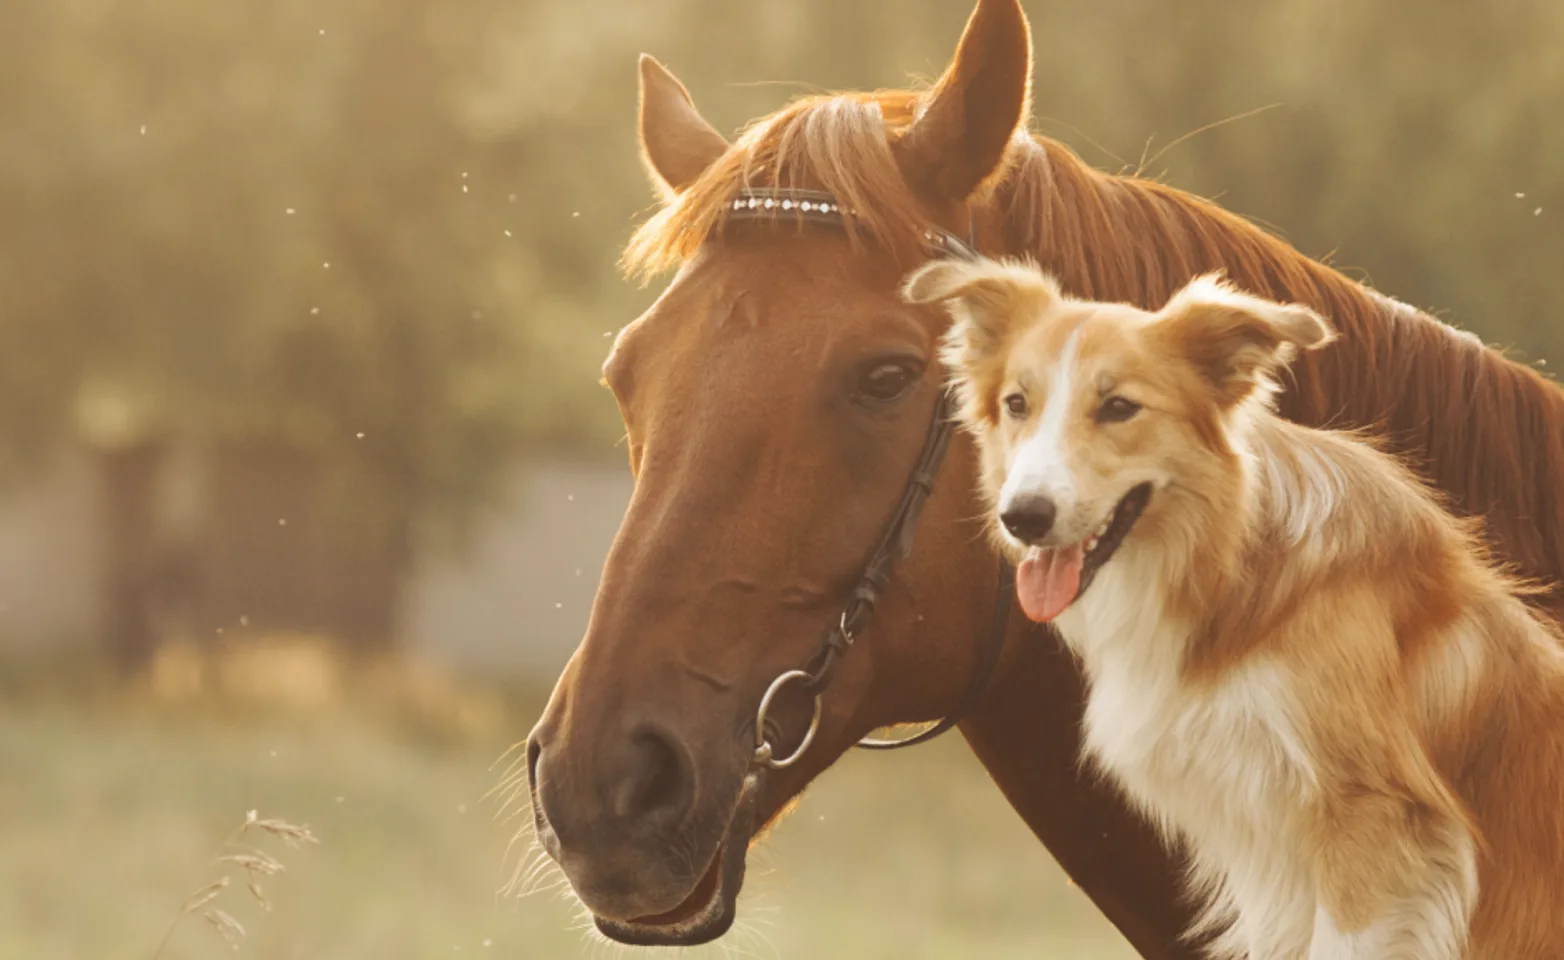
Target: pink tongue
x=1047, y=581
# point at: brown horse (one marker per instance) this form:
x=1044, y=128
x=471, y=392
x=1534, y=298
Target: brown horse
x=775, y=396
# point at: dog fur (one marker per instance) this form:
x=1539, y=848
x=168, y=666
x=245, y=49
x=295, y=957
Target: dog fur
x=1300, y=666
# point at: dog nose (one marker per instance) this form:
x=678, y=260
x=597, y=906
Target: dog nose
x=1029, y=518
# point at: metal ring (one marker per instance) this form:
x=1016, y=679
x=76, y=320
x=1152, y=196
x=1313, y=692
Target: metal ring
x=763, y=749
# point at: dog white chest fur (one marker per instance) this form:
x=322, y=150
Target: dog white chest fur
x=1220, y=766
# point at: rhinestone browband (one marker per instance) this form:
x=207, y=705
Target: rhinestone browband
x=815, y=204
x=821, y=207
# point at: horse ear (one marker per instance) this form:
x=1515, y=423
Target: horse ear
x=677, y=144
x=969, y=118
x=1236, y=340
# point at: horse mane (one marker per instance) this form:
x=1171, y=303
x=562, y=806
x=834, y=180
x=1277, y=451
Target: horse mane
x=1487, y=430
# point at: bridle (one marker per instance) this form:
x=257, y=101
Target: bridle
x=816, y=676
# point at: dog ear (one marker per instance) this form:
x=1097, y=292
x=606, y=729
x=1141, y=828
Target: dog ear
x=984, y=297
x=989, y=300
x=1238, y=341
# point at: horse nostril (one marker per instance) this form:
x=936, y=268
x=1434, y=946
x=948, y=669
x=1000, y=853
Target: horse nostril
x=1029, y=519
x=534, y=751
x=658, y=781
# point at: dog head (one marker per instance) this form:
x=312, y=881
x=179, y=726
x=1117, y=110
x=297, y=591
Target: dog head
x=1096, y=419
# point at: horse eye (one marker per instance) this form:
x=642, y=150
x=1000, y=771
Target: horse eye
x=886, y=382
x=1117, y=410
x=1015, y=405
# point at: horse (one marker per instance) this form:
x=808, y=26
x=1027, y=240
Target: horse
x=777, y=399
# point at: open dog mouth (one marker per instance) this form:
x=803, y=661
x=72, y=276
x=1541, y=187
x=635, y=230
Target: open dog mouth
x=709, y=910
x=1048, y=580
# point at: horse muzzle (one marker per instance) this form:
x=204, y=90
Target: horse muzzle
x=655, y=855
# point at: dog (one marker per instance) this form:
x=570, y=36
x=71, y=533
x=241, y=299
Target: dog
x=1301, y=667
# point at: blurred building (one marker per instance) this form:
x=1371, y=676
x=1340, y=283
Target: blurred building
x=241, y=552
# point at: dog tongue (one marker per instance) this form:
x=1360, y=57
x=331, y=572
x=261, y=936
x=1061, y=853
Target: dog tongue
x=1048, y=580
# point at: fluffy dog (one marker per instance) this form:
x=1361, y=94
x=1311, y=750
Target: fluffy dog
x=1300, y=666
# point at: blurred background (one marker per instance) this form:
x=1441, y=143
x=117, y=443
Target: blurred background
x=305, y=474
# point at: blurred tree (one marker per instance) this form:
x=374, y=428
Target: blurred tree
x=266, y=235
x=359, y=255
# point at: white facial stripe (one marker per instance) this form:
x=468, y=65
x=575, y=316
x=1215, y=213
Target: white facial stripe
x=1040, y=464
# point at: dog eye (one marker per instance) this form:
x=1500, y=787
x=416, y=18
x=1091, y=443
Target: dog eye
x=1117, y=410
x=886, y=382
x=1015, y=405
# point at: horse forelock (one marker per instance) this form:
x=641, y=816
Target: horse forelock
x=1486, y=429
x=840, y=143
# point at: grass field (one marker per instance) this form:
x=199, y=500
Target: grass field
x=111, y=805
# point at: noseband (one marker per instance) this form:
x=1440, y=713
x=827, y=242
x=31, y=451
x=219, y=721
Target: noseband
x=816, y=676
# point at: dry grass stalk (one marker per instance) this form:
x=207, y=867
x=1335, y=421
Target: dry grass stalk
x=226, y=925
x=255, y=863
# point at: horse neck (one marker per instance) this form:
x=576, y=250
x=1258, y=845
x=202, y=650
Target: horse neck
x=1487, y=431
